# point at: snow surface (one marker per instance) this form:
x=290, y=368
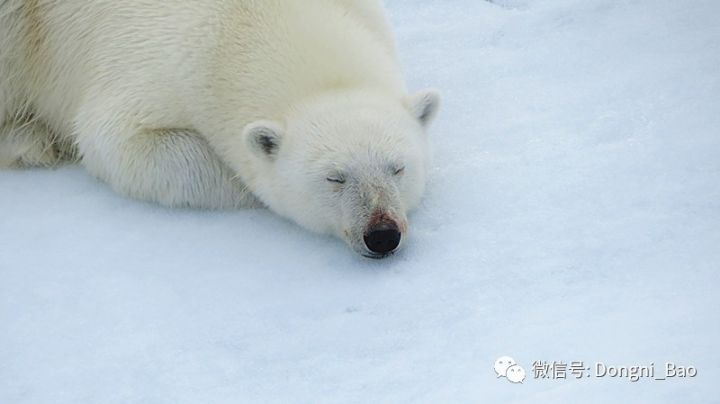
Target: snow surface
x=573, y=215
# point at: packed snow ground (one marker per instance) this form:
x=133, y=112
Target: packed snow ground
x=573, y=215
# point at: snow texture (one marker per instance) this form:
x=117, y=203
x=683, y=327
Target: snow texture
x=573, y=215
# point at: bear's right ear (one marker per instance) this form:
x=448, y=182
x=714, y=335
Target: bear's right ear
x=424, y=105
x=263, y=138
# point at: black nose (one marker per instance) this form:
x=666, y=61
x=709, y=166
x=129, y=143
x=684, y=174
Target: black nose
x=383, y=238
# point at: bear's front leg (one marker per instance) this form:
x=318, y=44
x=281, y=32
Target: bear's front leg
x=173, y=167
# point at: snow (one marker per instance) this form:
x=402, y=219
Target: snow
x=573, y=215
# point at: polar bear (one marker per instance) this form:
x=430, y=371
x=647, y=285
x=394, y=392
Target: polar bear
x=296, y=105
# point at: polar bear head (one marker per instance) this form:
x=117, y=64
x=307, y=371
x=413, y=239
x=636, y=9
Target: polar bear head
x=352, y=165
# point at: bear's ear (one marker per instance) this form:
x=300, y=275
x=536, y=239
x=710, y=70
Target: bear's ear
x=424, y=105
x=263, y=138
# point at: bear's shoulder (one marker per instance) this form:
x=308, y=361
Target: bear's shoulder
x=372, y=15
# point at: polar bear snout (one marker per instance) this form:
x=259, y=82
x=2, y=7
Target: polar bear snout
x=383, y=238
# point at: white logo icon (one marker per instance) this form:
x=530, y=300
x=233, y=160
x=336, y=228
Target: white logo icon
x=507, y=367
x=515, y=374
x=502, y=365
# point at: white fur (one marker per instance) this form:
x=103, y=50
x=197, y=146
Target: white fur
x=160, y=99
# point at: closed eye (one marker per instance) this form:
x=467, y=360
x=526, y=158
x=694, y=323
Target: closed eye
x=399, y=171
x=337, y=180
